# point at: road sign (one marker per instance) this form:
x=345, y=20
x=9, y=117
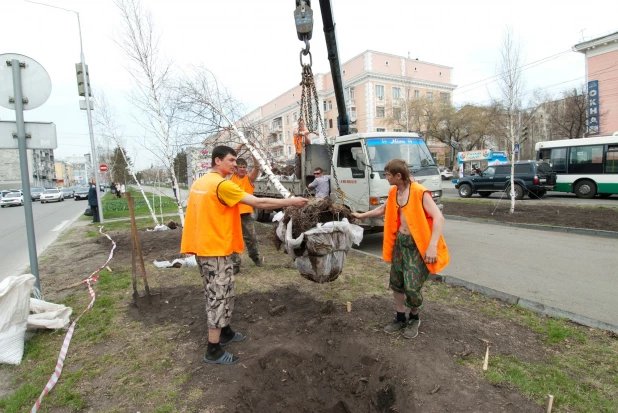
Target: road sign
x=36, y=84
x=103, y=167
x=39, y=135
x=516, y=151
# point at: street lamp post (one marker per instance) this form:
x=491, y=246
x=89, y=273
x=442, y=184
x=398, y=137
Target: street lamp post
x=88, y=108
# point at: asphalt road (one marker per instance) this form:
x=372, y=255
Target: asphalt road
x=49, y=222
x=576, y=273
x=449, y=191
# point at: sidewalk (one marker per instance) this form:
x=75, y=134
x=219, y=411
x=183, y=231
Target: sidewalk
x=570, y=273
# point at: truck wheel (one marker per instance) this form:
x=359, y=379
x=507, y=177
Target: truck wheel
x=585, y=189
x=519, y=192
x=465, y=191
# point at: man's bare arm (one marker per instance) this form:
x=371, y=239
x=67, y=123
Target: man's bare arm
x=273, y=203
x=431, y=255
x=255, y=171
x=378, y=212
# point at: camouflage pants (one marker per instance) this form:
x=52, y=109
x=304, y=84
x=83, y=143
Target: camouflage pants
x=248, y=235
x=218, y=280
x=408, y=271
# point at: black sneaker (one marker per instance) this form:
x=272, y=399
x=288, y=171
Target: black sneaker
x=236, y=270
x=394, y=326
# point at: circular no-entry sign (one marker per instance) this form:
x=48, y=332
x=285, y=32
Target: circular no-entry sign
x=103, y=167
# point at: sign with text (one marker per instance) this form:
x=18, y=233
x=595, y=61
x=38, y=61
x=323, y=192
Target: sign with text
x=593, y=108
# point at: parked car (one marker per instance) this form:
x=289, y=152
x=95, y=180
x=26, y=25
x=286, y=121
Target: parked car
x=81, y=193
x=531, y=177
x=446, y=173
x=35, y=193
x=12, y=198
x=52, y=195
x=67, y=192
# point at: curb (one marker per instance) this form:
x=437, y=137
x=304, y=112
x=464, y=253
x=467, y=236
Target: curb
x=524, y=303
x=570, y=230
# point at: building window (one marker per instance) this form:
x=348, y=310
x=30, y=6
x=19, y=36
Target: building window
x=379, y=111
x=352, y=114
x=380, y=129
x=445, y=97
x=396, y=113
x=330, y=123
x=294, y=117
x=430, y=96
x=287, y=119
x=287, y=135
x=380, y=92
x=396, y=93
x=280, y=137
x=289, y=150
x=396, y=130
x=352, y=93
x=325, y=123
x=324, y=106
x=330, y=104
x=417, y=94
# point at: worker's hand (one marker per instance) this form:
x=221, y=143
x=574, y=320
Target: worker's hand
x=431, y=255
x=357, y=215
x=298, y=202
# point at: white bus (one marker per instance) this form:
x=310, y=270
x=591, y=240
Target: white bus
x=586, y=167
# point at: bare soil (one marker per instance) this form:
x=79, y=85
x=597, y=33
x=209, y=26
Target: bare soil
x=598, y=218
x=309, y=355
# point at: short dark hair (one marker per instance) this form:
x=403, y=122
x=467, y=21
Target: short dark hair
x=241, y=162
x=318, y=169
x=221, y=152
x=398, y=166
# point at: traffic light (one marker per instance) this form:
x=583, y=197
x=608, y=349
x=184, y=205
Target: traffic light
x=80, y=80
x=524, y=132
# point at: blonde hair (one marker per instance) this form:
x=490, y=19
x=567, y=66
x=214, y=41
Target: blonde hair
x=398, y=166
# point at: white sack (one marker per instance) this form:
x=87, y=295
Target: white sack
x=48, y=315
x=14, y=309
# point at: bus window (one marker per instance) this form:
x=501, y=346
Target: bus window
x=586, y=160
x=556, y=158
x=611, y=160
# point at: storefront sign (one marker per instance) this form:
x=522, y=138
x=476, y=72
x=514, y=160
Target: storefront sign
x=474, y=155
x=593, y=108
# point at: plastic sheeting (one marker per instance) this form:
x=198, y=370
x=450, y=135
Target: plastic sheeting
x=48, y=315
x=14, y=310
x=189, y=262
x=320, y=253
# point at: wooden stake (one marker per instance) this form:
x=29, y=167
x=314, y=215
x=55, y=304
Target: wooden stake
x=348, y=306
x=485, y=364
x=550, y=403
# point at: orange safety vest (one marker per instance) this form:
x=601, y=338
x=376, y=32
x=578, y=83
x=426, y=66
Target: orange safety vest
x=419, y=222
x=299, y=141
x=245, y=184
x=212, y=229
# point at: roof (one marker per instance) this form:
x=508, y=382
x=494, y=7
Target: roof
x=599, y=41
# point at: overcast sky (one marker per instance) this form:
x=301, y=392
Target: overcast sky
x=253, y=48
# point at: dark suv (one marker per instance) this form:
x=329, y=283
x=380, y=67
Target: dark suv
x=531, y=177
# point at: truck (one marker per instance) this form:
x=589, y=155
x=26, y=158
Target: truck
x=355, y=162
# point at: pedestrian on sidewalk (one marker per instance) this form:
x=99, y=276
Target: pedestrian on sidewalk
x=212, y=232
x=245, y=181
x=122, y=190
x=174, y=189
x=413, y=243
x=92, y=202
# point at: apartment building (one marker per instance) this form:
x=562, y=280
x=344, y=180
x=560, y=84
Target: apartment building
x=40, y=166
x=377, y=87
x=601, y=57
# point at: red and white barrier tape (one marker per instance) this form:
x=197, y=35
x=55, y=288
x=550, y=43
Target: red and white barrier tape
x=67, y=339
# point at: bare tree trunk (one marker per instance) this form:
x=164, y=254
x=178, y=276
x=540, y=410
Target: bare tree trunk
x=152, y=77
x=511, y=87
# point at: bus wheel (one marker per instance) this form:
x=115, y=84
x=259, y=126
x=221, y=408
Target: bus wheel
x=585, y=189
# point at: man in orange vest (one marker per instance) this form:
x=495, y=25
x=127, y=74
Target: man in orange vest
x=413, y=243
x=245, y=182
x=212, y=232
x=301, y=138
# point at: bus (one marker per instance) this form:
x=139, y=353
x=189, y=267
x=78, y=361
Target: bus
x=586, y=167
